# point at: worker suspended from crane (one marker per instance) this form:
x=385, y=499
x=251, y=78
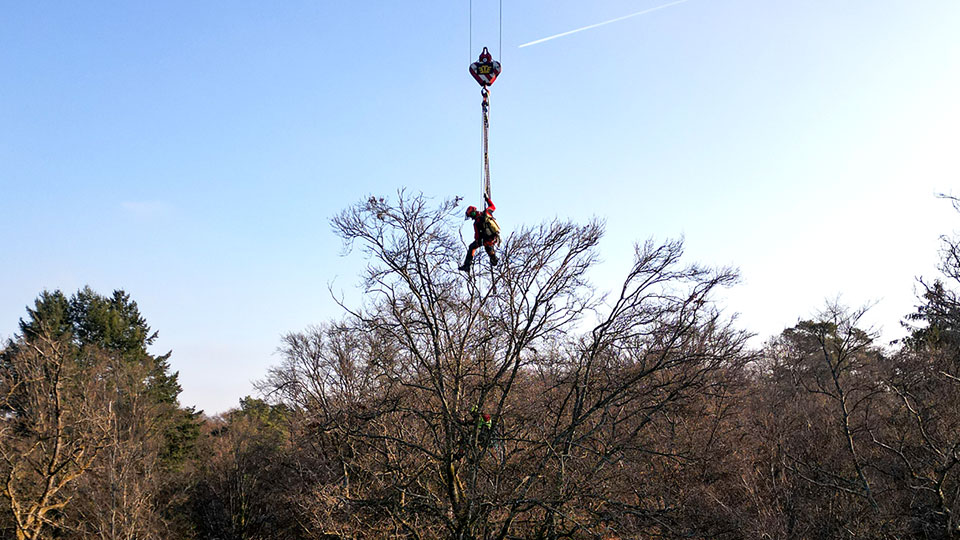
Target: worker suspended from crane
x=486, y=233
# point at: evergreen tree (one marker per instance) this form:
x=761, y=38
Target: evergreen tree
x=939, y=312
x=114, y=324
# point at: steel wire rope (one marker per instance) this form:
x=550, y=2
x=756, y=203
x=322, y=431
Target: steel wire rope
x=482, y=149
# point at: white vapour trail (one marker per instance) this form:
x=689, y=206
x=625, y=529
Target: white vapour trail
x=644, y=12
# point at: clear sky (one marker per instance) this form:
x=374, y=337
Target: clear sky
x=192, y=153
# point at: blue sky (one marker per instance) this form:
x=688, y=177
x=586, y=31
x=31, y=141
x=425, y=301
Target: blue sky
x=192, y=153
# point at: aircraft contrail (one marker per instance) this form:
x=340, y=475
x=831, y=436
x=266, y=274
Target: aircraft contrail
x=603, y=23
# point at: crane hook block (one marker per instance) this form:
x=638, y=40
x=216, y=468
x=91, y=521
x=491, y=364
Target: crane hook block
x=485, y=69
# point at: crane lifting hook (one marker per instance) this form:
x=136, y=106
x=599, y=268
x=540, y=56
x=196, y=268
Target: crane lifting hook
x=485, y=69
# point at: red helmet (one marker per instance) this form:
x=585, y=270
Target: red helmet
x=471, y=211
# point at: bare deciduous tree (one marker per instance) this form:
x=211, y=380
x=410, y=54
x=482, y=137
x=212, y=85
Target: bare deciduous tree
x=118, y=498
x=823, y=401
x=487, y=407
x=55, y=425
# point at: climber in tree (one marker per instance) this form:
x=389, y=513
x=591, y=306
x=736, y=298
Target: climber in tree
x=483, y=423
x=486, y=233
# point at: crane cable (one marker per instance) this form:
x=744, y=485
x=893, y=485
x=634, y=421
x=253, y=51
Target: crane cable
x=485, y=145
x=499, y=30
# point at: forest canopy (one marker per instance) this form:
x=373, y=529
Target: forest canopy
x=521, y=401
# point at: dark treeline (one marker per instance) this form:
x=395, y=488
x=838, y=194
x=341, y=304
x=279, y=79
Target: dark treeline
x=532, y=407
